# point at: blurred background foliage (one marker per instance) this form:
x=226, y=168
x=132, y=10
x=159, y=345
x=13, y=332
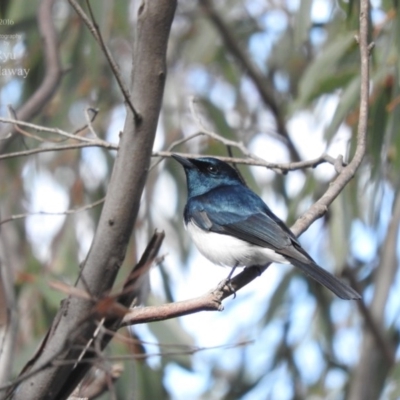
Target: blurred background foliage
x=282, y=337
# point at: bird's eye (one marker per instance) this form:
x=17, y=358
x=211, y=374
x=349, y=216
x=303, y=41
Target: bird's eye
x=212, y=169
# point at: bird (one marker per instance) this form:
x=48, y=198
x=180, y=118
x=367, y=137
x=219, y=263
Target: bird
x=232, y=226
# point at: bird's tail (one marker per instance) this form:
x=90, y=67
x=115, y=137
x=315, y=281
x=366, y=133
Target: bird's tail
x=323, y=277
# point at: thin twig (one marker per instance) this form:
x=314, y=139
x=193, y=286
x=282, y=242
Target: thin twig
x=163, y=154
x=95, y=31
x=20, y=130
x=95, y=112
x=93, y=143
x=56, y=131
x=96, y=142
x=175, y=144
x=66, y=212
x=89, y=120
x=319, y=208
x=284, y=167
x=177, y=350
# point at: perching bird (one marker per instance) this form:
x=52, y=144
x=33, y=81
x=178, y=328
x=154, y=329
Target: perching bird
x=232, y=226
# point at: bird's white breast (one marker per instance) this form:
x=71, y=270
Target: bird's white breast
x=229, y=251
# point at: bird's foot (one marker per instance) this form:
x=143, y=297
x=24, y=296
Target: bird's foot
x=228, y=283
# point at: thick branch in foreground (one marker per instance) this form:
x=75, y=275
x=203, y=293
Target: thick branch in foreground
x=120, y=209
x=109, y=310
x=132, y=292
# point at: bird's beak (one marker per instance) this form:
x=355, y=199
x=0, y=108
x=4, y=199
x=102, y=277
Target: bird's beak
x=184, y=161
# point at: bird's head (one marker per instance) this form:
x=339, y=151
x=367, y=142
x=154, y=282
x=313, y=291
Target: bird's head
x=207, y=173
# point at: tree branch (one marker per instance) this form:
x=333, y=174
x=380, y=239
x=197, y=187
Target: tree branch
x=96, y=142
x=154, y=19
x=281, y=167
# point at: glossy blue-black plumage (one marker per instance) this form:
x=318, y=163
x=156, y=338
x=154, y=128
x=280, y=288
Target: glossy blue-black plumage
x=237, y=206
x=219, y=202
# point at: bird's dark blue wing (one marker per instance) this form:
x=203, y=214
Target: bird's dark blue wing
x=257, y=229
x=237, y=211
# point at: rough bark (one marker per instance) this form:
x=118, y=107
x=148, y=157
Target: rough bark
x=72, y=325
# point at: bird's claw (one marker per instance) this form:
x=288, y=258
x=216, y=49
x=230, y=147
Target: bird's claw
x=227, y=282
